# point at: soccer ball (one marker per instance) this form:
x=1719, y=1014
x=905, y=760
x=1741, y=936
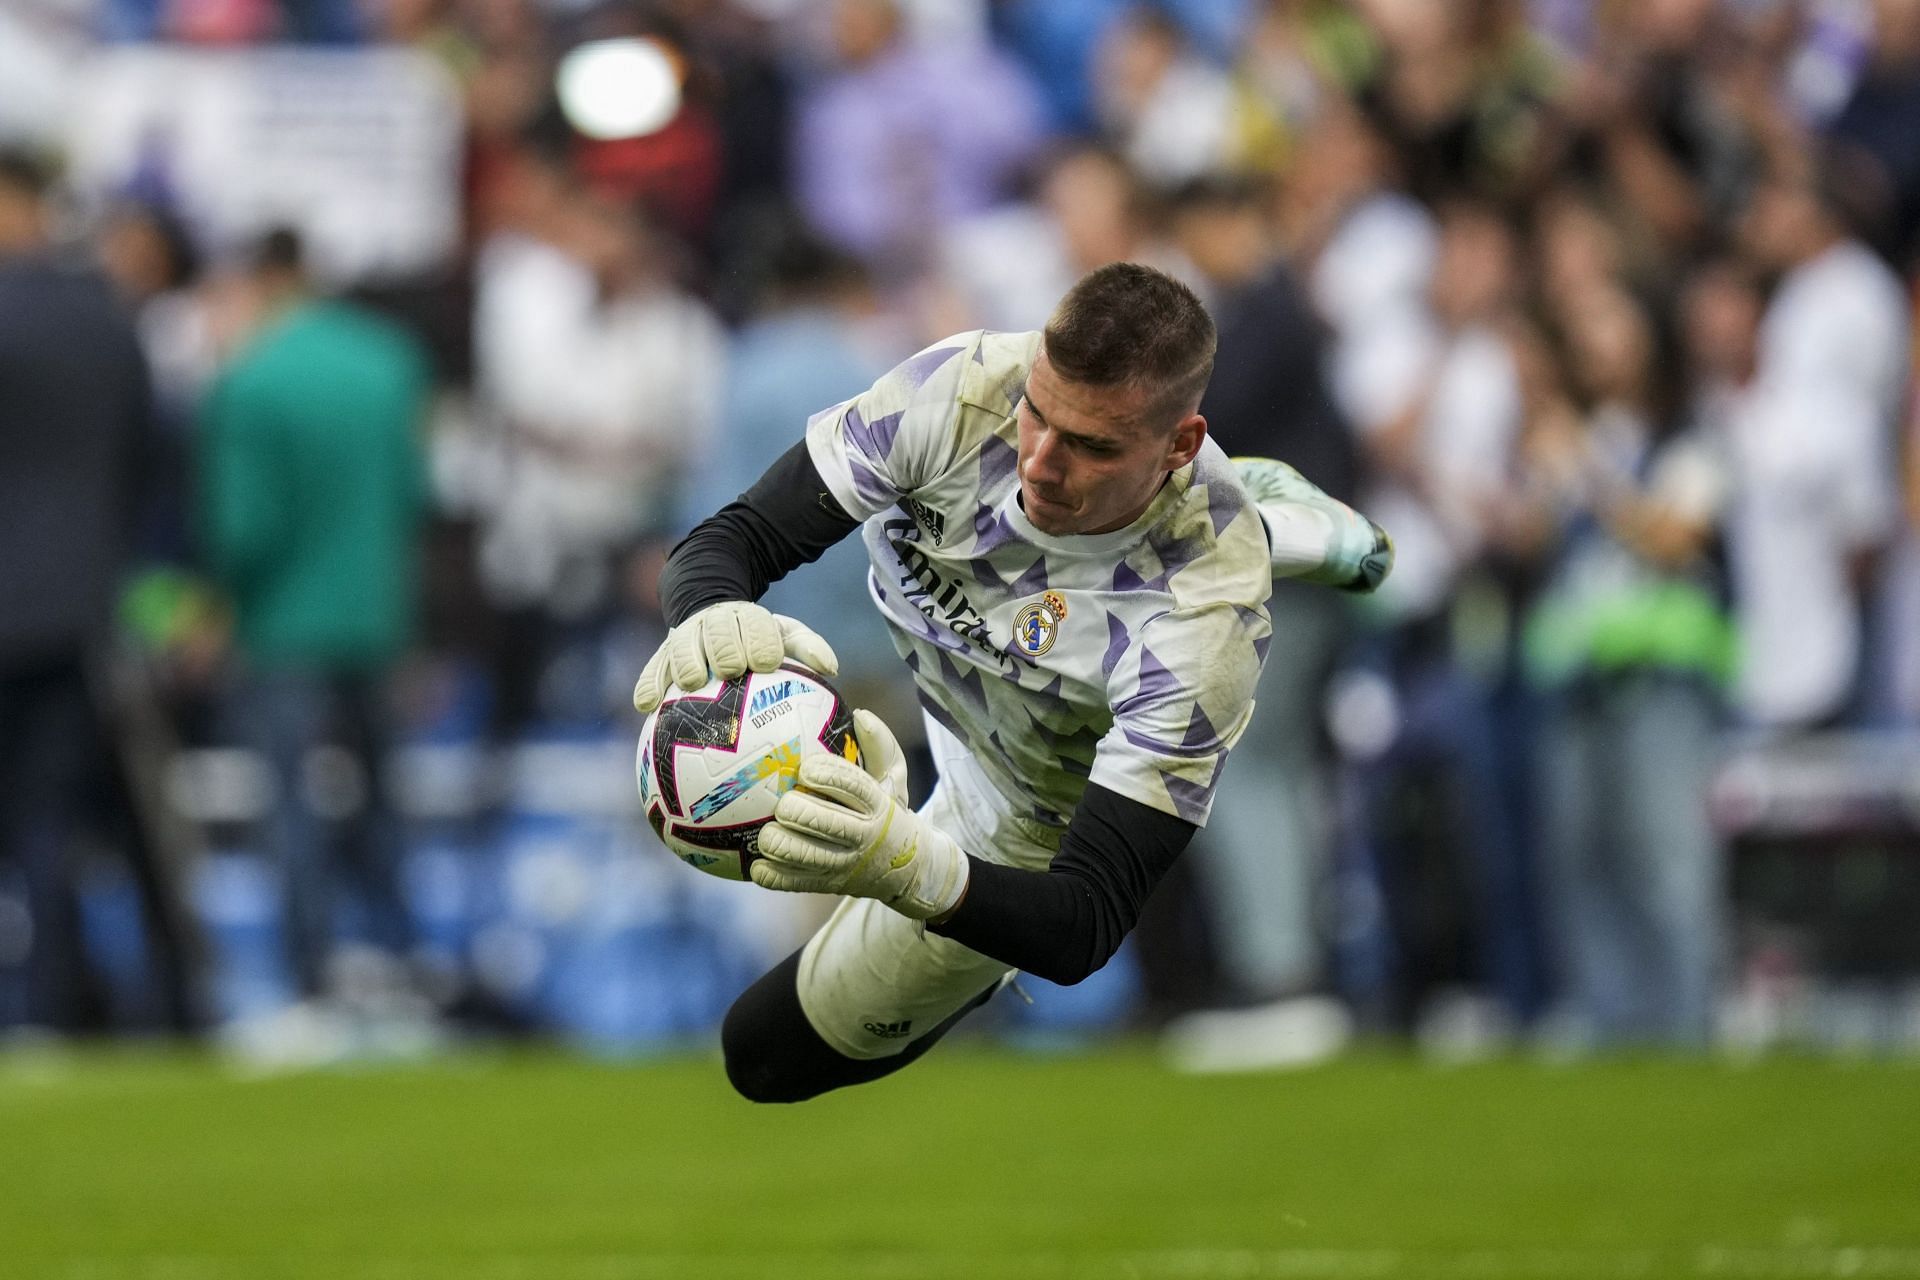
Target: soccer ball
x=712, y=763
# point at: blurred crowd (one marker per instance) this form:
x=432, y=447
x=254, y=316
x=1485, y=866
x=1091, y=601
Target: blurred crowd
x=1603, y=309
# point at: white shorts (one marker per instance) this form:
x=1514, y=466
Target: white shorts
x=873, y=981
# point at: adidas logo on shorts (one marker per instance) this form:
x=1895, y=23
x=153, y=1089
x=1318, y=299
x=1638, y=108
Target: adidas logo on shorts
x=890, y=1030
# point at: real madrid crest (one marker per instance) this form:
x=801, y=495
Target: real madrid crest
x=1035, y=626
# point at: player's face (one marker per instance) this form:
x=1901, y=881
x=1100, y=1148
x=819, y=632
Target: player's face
x=1091, y=458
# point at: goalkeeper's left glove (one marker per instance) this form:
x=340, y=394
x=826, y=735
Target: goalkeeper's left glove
x=846, y=828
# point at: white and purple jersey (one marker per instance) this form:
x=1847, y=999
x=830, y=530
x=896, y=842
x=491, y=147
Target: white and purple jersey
x=1126, y=658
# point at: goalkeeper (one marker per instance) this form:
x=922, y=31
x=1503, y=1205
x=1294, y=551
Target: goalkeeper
x=1077, y=579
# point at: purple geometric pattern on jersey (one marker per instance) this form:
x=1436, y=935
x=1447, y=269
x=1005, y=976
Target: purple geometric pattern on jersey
x=1201, y=737
x=985, y=574
x=1223, y=504
x=967, y=681
x=1034, y=579
x=1190, y=798
x=1156, y=684
x=938, y=712
x=998, y=461
x=1117, y=642
x=1176, y=553
x=926, y=364
x=1147, y=742
x=872, y=489
x=938, y=636
x=872, y=439
x=1126, y=579
x=991, y=531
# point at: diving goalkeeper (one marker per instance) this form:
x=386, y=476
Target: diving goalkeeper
x=1077, y=579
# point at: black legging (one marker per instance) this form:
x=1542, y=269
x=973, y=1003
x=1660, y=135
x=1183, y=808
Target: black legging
x=774, y=1055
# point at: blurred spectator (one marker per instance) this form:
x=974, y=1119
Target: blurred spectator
x=1580, y=254
x=1266, y=847
x=894, y=141
x=1298, y=58
x=738, y=73
x=1630, y=639
x=1005, y=268
x=1421, y=723
x=1638, y=123
x=75, y=400
x=1368, y=249
x=1461, y=91
x=313, y=494
x=602, y=378
x=1814, y=447
x=1877, y=125
x=153, y=262
x=1165, y=108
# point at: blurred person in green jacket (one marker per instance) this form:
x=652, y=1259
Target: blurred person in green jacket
x=313, y=493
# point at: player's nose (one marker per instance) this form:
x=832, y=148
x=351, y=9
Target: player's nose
x=1044, y=464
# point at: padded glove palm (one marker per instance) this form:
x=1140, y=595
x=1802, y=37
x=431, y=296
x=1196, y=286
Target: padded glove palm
x=846, y=828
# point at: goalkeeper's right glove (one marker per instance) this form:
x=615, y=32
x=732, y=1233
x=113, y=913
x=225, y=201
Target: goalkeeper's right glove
x=846, y=828
x=727, y=640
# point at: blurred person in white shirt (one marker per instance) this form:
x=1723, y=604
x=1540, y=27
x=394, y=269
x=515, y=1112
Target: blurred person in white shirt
x=1369, y=249
x=1813, y=447
x=1165, y=107
x=601, y=379
x=1005, y=269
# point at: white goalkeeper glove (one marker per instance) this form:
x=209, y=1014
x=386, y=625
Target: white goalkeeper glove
x=846, y=828
x=728, y=639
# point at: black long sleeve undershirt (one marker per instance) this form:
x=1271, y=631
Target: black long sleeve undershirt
x=1063, y=923
x=1060, y=924
x=787, y=519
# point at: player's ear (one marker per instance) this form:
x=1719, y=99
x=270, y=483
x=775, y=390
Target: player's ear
x=1186, y=442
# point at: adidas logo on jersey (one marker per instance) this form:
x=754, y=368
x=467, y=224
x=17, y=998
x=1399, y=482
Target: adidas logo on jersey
x=927, y=518
x=890, y=1030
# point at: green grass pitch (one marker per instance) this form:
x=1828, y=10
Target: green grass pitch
x=973, y=1165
